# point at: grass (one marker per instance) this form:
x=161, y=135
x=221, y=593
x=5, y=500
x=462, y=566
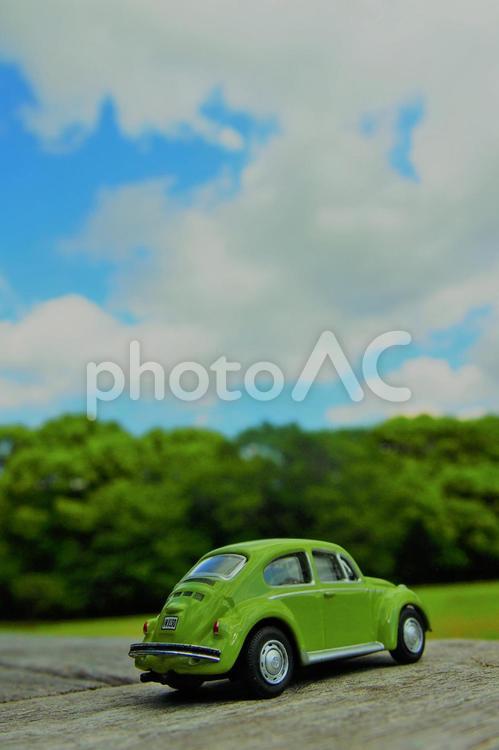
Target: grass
x=126, y=627
x=458, y=610
x=463, y=610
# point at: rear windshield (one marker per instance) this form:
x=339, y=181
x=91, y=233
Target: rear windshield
x=218, y=566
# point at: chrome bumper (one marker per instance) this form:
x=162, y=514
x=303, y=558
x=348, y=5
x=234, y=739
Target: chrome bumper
x=174, y=649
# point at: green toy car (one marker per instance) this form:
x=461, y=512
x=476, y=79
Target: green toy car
x=254, y=611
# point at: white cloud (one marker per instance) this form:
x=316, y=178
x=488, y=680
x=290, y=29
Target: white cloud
x=436, y=389
x=45, y=353
x=323, y=234
x=230, y=139
x=124, y=220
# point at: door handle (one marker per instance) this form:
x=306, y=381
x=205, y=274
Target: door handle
x=329, y=594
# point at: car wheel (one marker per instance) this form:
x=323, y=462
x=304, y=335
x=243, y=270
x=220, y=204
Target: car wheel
x=268, y=663
x=411, y=637
x=184, y=683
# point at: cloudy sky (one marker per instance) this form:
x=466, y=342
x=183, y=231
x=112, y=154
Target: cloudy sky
x=218, y=178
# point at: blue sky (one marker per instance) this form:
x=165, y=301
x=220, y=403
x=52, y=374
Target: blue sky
x=47, y=192
x=258, y=159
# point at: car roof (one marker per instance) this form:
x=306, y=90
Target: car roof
x=275, y=546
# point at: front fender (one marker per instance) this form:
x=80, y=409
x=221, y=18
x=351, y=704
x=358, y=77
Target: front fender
x=391, y=605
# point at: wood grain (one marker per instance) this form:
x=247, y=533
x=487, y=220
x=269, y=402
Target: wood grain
x=84, y=693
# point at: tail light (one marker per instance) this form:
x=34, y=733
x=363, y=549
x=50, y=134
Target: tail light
x=145, y=627
x=216, y=627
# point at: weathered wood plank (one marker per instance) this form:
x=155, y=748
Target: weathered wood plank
x=448, y=700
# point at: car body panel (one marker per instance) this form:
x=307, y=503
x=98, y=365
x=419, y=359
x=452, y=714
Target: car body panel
x=347, y=614
x=323, y=619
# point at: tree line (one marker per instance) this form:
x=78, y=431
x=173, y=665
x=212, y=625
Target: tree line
x=95, y=520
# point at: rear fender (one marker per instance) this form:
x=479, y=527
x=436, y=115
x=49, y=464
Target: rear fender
x=249, y=617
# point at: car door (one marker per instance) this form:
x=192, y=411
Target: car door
x=346, y=601
x=289, y=578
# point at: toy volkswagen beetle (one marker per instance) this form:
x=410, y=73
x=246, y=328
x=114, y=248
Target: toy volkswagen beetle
x=255, y=610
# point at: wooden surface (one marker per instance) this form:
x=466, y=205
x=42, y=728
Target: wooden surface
x=84, y=693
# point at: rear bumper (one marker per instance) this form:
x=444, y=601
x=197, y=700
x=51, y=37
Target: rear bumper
x=190, y=651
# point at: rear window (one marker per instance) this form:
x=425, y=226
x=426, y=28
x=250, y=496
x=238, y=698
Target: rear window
x=350, y=574
x=328, y=567
x=218, y=566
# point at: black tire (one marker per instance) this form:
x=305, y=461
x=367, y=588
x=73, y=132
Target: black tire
x=267, y=663
x=411, y=637
x=186, y=684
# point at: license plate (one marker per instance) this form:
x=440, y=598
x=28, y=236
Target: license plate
x=169, y=623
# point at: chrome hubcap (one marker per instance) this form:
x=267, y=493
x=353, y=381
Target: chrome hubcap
x=413, y=635
x=274, y=662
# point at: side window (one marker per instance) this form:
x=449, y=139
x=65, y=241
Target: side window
x=288, y=570
x=350, y=573
x=328, y=567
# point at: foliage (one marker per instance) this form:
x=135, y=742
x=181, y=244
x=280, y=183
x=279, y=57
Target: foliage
x=94, y=520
